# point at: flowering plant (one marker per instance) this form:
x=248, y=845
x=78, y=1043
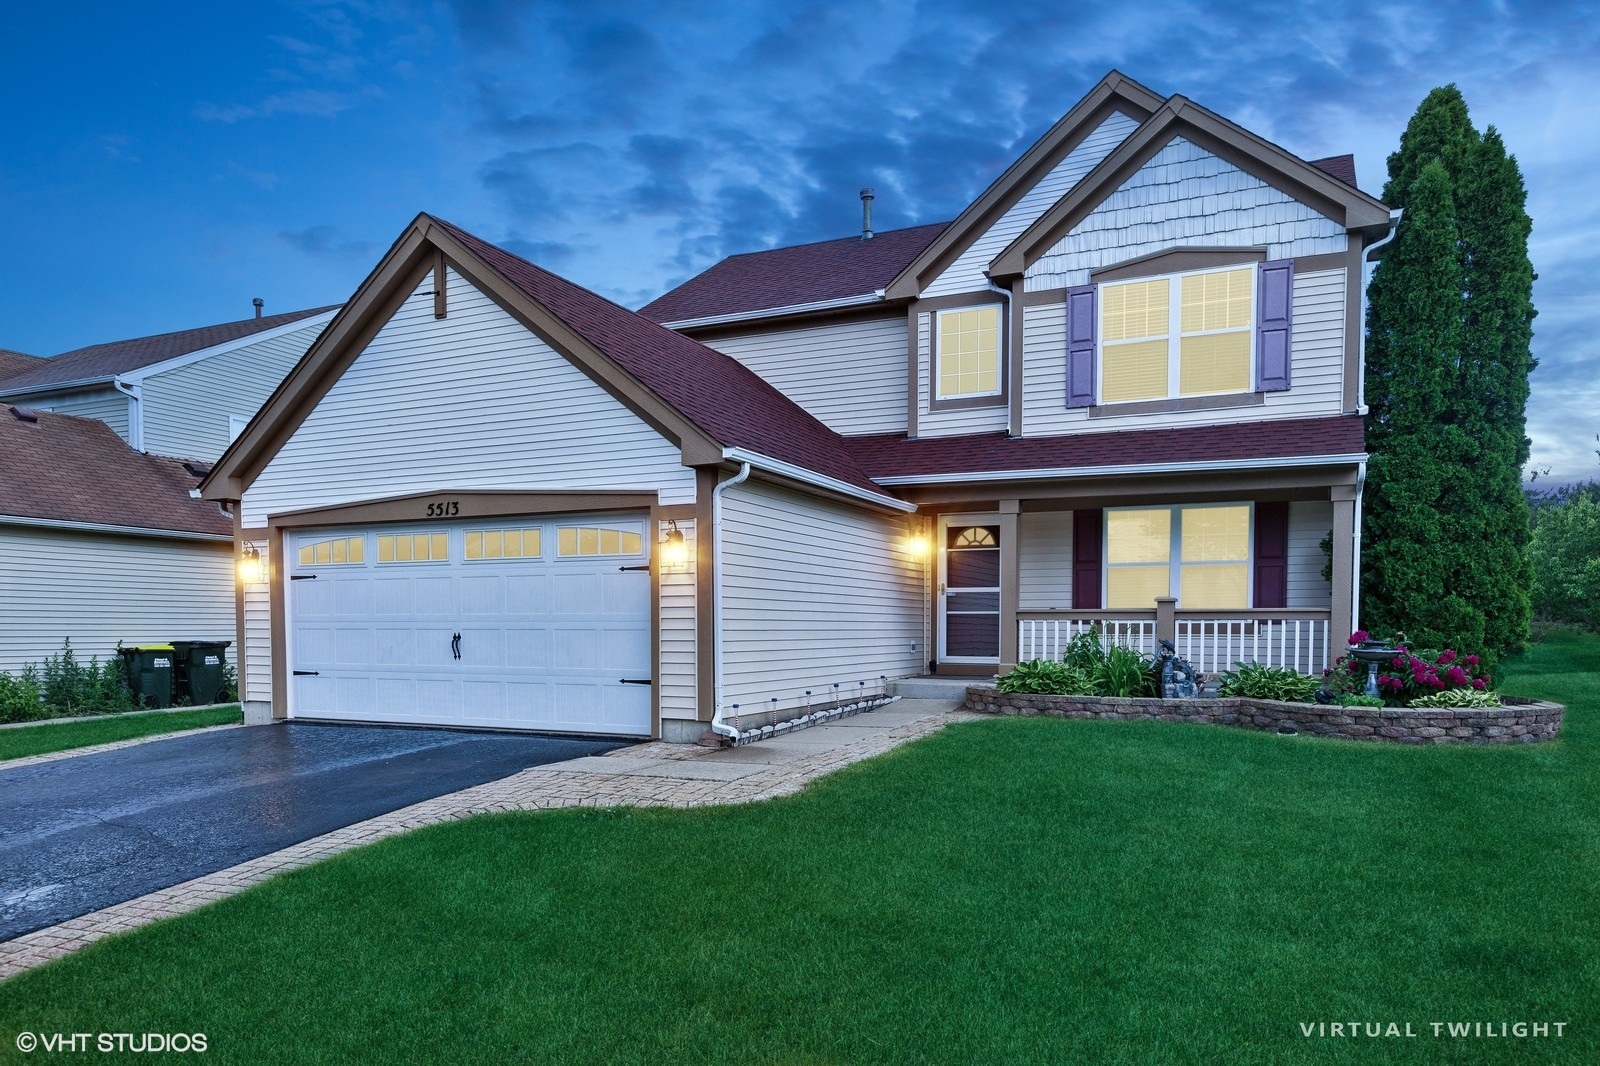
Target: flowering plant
x=1409, y=675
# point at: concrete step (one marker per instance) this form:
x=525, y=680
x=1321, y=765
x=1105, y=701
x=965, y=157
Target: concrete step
x=935, y=688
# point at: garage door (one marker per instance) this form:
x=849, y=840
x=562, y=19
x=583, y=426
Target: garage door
x=512, y=623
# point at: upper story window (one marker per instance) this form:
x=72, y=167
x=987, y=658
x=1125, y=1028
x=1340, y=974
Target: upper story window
x=967, y=353
x=1188, y=335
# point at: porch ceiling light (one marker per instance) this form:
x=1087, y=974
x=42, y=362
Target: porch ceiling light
x=674, y=549
x=252, y=568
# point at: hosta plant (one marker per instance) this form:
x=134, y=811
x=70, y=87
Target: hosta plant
x=1046, y=677
x=1458, y=697
x=1261, y=682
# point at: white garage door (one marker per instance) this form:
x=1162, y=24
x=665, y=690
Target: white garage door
x=512, y=623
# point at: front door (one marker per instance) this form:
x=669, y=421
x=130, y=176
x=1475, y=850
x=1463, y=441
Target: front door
x=969, y=589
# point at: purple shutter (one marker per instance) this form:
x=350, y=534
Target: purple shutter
x=1086, y=527
x=1275, y=303
x=1272, y=555
x=1080, y=346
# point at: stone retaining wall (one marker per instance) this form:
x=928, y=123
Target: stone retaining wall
x=1518, y=722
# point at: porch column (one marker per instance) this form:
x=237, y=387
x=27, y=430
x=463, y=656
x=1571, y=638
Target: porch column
x=1344, y=575
x=1010, y=585
x=1167, y=619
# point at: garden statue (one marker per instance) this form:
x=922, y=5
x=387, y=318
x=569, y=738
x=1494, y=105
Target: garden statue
x=1179, y=681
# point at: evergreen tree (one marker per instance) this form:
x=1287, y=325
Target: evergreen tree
x=1447, y=384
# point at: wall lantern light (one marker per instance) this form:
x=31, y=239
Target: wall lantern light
x=252, y=568
x=918, y=546
x=674, y=549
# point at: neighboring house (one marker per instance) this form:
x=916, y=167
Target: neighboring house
x=1121, y=389
x=186, y=394
x=102, y=545
x=13, y=363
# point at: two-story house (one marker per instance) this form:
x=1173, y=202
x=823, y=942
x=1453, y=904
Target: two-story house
x=1121, y=389
x=100, y=540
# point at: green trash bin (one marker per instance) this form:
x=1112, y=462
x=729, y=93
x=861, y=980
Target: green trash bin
x=199, y=670
x=149, y=671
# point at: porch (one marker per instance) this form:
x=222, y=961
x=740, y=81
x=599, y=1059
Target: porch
x=1211, y=640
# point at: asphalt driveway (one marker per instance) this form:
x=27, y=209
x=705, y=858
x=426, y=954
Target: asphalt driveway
x=83, y=833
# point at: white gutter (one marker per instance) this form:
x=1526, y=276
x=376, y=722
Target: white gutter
x=135, y=395
x=1012, y=431
x=1129, y=468
x=718, y=726
x=98, y=527
x=811, y=477
x=771, y=312
x=1355, y=553
x=1367, y=257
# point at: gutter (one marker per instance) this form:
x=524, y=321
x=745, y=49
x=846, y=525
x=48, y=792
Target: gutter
x=1013, y=431
x=718, y=726
x=1129, y=468
x=1370, y=256
x=773, y=312
x=135, y=395
x=99, y=527
x=811, y=477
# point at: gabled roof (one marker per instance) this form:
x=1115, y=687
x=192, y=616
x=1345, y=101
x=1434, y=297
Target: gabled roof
x=60, y=468
x=14, y=363
x=1115, y=92
x=1342, y=167
x=705, y=402
x=794, y=278
x=1180, y=117
x=892, y=457
x=101, y=362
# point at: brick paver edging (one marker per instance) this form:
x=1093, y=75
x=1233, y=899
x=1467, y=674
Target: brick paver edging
x=540, y=788
x=1517, y=722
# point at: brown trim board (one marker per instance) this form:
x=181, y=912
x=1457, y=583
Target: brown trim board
x=1176, y=261
x=475, y=503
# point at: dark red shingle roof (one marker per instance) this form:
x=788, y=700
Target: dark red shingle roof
x=14, y=363
x=725, y=399
x=788, y=277
x=68, y=469
x=892, y=455
x=119, y=357
x=1342, y=167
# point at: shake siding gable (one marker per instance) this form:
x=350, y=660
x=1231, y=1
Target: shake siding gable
x=850, y=375
x=967, y=273
x=186, y=408
x=473, y=400
x=1317, y=351
x=1184, y=195
x=99, y=590
x=814, y=593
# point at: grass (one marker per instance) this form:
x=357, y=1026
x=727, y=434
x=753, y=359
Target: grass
x=1015, y=890
x=63, y=736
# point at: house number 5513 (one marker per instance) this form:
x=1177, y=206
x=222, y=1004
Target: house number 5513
x=444, y=509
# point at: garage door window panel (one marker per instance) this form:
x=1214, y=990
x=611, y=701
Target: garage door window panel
x=413, y=548
x=522, y=543
x=334, y=551
x=574, y=542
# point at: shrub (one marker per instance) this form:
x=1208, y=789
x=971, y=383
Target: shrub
x=1046, y=677
x=1458, y=697
x=64, y=688
x=1124, y=672
x=1261, y=682
x=20, y=699
x=1566, y=562
x=1408, y=676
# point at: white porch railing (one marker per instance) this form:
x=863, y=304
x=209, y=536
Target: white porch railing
x=1213, y=641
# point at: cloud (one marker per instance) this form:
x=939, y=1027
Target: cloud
x=314, y=103
x=116, y=147
x=548, y=254
x=325, y=241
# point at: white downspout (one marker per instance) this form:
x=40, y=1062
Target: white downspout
x=718, y=726
x=1005, y=331
x=1355, y=551
x=1361, y=369
x=135, y=396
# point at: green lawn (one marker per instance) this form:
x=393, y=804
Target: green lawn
x=1015, y=890
x=41, y=739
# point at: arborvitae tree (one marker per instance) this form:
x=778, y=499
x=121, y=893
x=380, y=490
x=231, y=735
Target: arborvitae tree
x=1468, y=433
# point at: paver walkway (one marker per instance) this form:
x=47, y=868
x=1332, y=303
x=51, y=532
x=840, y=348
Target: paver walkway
x=646, y=775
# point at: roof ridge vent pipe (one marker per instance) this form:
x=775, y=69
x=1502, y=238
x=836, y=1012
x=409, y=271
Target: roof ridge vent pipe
x=718, y=726
x=867, y=196
x=258, y=303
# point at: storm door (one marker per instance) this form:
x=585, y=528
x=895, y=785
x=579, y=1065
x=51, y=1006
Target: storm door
x=969, y=589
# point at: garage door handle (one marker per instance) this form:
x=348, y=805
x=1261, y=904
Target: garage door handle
x=306, y=673
x=302, y=577
x=625, y=569
x=634, y=681
x=455, y=645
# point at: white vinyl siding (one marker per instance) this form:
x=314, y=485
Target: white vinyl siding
x=110, y=407
x=470, y=401
x=675, y=677
x=1044, y=560
x=958, y=420
x=851, y=376
x=187, y=408
x=98, y=589
x=967, y=273
x=1317, y=351
x=1309, y=522
x=1184, y=195
x=814, y=593
x=255, y=661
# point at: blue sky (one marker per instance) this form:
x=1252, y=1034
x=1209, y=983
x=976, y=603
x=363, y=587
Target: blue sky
x=163, y=163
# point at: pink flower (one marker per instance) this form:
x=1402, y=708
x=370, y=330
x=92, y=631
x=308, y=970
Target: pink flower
x=1471, y=660
x=1446, y=657
x=1457, y=675
x=1479, y=685
x=1397, y=661
x=1359, y=636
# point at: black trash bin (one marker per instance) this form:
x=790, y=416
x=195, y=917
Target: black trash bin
x=199, y=670
x=149, y=671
